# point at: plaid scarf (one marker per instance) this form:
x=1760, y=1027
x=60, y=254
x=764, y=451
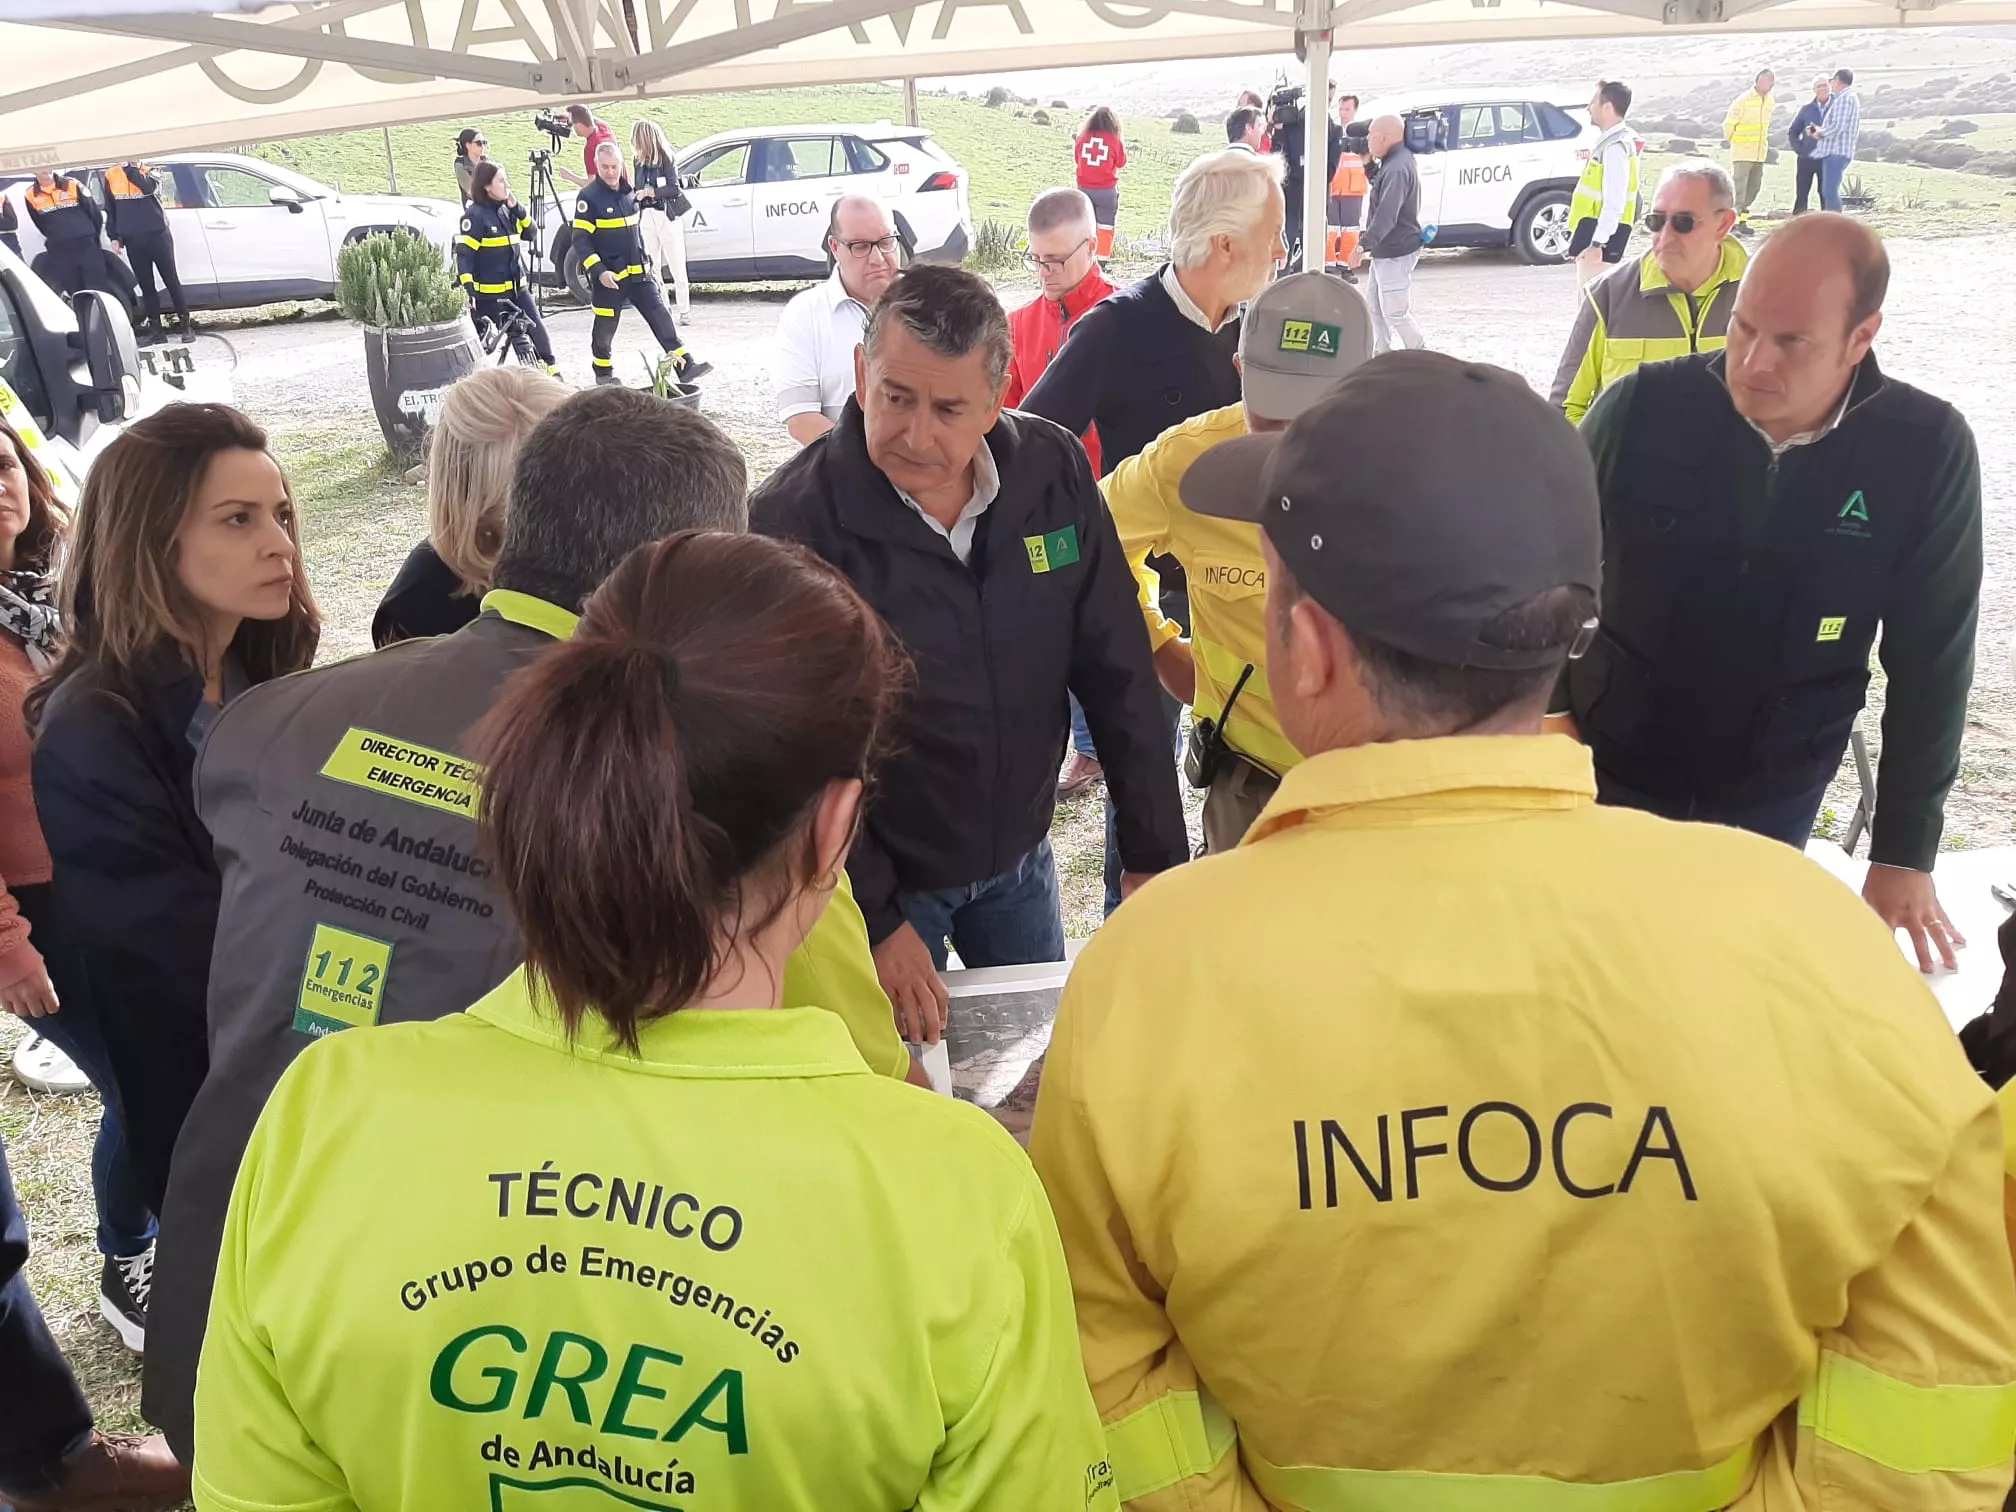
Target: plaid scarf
x=28, y=613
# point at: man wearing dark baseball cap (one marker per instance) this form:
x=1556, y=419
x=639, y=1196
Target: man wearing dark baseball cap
x=1456, y=1141
x=1296, y=340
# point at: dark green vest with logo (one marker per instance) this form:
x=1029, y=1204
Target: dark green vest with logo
x=1741, y=595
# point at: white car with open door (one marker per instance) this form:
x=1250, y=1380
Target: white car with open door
x=762, y=197
x=248, y=232
x=1497, y=168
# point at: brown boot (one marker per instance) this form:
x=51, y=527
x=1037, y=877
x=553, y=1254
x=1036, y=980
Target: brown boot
x=1080, y=772
x=117, y=1472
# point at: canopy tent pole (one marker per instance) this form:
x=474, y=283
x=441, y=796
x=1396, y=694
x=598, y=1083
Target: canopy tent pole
x=1315, y=44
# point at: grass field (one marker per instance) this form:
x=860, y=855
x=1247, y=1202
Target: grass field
x=1009, y=160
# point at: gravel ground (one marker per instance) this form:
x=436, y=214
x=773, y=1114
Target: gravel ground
x=304, y=380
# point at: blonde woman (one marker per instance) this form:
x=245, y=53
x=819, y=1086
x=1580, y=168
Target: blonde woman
x=484, y=420
x=654, y=172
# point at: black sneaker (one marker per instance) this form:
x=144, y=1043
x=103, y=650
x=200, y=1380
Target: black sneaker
x=123, y=1288
x=607, y=380
x=691, y=369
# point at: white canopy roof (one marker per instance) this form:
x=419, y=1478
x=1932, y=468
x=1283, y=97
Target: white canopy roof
x=83, y=82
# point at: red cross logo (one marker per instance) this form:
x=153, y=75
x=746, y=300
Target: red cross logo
x=1094, y=151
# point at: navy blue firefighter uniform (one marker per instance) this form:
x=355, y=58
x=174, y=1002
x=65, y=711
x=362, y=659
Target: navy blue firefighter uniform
x=69, y=220
x=486, y=256
x=608, y=218
x=137, y=220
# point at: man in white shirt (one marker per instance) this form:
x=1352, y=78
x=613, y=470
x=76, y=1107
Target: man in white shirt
x=812, y=368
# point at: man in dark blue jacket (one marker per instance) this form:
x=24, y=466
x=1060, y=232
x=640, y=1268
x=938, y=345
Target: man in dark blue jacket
x=1805, y=149
x=1163, y=351
x=982, y=539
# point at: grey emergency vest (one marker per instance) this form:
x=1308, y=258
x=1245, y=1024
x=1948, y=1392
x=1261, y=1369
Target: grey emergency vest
x=342, y=805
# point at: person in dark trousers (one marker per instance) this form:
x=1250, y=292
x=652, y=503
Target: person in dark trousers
x=1806, y=146
x=1289, y=141
x=70, y=222
x=607, y=215
x=10, y=226
x=1164, y=350
x=1765, y=510
x=486, y=258
x=52, y=1457
x=981, y=537
x=137, y=222
x=183, y=589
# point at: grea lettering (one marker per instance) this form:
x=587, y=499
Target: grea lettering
x=1499, y=1147
x=475, y=1373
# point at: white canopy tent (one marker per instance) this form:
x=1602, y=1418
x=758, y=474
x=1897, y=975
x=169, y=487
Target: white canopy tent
x=86, y=81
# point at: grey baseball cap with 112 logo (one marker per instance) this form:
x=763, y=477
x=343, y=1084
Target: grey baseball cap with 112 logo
x=1297, y=339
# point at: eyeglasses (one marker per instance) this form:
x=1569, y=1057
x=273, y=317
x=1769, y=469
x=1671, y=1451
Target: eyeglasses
x=1683, y=221
x=886, y=245
x=1054, y=264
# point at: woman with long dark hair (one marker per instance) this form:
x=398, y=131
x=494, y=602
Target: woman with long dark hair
x=183, y=587
x=486, y=258
x=42, y=980
x=1100, y=154
x=716, y=1257
x=472, y=149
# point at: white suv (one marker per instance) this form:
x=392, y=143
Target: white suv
x=762, y=197
x=1496, y=170
x=248, y=232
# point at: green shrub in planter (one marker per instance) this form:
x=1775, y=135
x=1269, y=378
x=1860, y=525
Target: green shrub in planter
x=396, y=282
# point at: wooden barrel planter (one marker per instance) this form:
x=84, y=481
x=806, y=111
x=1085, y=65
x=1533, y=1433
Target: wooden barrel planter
x=410, y=372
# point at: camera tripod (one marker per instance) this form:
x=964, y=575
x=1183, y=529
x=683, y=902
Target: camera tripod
x=543, y=189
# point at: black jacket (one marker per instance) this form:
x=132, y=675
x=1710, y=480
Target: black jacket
x=425, y=599
x=1741, y=595
x=662, y=179
x=1047, y=606
x=135, y=887
x=1393, y=216
x=1135, y=365
x=133, y=205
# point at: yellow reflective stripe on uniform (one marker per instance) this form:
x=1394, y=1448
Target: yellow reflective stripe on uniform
x=1245, y=735
x=1316, y=1489
x=598, y=310
x=1916, y=1430
x=503, y=288
x=491, y=241
x=582, y=225
x=611, y=225
x=532, y=613
x=1174, y=1437
x=469, y=242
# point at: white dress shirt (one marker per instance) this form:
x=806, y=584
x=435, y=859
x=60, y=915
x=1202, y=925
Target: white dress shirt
x=986, y=489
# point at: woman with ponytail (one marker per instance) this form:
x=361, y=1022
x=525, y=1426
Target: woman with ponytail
x=632, y=1225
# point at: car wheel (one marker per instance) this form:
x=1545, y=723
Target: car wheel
x=125, y=285
x=1542, y=232
x=577, y=275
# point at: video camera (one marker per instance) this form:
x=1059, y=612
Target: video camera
x=554, y=124
x=1284, y=109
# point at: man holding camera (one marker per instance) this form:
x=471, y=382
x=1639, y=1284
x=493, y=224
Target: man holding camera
x=606, y=214
x=593, y=134
x=1287, y=109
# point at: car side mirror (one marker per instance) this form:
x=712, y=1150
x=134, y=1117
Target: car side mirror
x=282, y=195
x=105, y=336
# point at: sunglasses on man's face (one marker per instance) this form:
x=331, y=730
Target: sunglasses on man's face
x=1682, y=221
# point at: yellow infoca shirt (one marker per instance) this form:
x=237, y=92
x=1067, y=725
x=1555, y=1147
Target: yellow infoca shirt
x=835, y=969
x=471, y=1268
x=1228, y=580
x=1455, y=1145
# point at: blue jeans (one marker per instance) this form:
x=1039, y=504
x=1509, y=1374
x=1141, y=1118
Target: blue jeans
x=1081, y=733
x=1015, y=919
x=43, y=1415
x=1789, y=820
x=1832, y=170
x=125, y=1222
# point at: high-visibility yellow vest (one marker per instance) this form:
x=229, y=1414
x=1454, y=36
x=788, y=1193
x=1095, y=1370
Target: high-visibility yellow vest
x=1748, y=127
x=1588, y=201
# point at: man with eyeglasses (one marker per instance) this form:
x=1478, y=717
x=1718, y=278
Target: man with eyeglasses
x=1063, y=238
x=1765, y=510
x=812, y=362
x=1668, y=302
